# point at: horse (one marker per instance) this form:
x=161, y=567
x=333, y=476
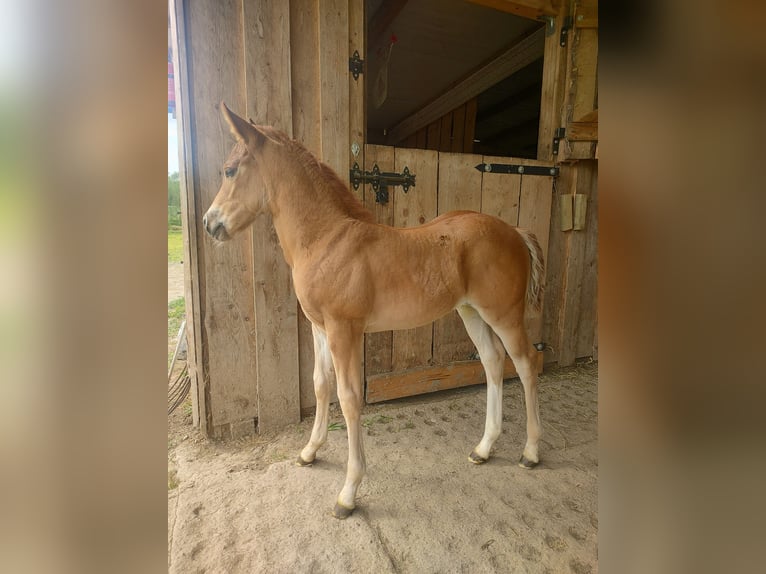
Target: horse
x=354, y=276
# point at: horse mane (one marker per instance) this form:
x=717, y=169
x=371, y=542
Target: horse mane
x=330, y=183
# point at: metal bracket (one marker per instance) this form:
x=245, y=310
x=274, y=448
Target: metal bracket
x=550, y=24
x=558, y=135
x=381, y=180
x=517, y=168
x=565, y=31
x=356, y=65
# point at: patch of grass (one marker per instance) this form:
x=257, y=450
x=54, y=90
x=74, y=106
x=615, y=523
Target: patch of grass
x=175, y=245
x=336, y=426
x=176, y=311
x=383, y=419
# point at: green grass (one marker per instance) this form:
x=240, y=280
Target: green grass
x=175, y=316
x=175, y=246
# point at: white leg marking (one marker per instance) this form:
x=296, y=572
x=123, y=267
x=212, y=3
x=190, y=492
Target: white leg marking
x=322, y=379
x=492, y=355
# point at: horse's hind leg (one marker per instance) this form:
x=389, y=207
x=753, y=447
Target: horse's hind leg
x=322, y=378
x=514, y=337
x=492, y=355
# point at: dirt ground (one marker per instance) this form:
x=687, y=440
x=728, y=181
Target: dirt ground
x=244, y=506
x=175, y=281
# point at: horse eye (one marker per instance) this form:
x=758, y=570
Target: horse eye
x=230, y=171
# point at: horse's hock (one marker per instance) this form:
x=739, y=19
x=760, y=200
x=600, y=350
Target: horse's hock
x=287, y=65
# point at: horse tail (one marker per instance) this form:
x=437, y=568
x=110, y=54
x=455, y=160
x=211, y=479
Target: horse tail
x=536, y=284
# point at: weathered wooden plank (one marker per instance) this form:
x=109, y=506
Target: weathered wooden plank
x=500, y=192
x=412, y=348
x=357, y=122
x=334, y=83
x=582, y=131
x=378, y=346
x=445, y=140
x=422, y=380
x=553, y=89
x=535, y=214
x=470, y=125
x=189, y=209
x=556, y=265
x=268, y=84
x=434, y=135
x=459, y=188
x=304, y=70
x=458, y=130
x=586, y=14
x=422, y=138
x=514, y=58
x=216, y=67
x=587, y=320
x=573, y=276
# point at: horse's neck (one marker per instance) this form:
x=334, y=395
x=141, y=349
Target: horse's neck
x=304, y=211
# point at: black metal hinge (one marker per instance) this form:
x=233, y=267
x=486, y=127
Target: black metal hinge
x=558, y=135
x=356, y=65
x=381, y=180
x=517, y=168
x=565, y=31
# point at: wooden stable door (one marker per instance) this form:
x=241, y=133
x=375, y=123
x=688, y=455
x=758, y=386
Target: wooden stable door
x=441, y=355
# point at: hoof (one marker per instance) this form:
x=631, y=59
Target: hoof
x=476, y=459
x=341, y=512
x=300, y=462
x=527, y=464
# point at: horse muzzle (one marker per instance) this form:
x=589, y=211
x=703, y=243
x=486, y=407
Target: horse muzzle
x=214, y=226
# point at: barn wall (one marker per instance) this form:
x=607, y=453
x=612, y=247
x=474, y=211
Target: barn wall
x=285, y=63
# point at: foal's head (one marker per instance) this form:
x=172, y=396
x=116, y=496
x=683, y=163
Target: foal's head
x=243, y=193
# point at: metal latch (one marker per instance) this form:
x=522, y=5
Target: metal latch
x=565, y=31
x=356, y=65
x=381, y=180
x=517, y=168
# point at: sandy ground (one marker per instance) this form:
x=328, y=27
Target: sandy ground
x=244, y=506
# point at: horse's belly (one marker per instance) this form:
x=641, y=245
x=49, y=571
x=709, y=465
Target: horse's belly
x=404, y=313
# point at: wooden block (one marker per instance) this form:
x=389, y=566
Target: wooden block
x=430, y=379
x=500, y=192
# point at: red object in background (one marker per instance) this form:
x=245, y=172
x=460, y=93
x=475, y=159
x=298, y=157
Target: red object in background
x=171, y=90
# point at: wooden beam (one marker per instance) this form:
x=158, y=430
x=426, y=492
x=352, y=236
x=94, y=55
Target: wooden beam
x=418, y=381
x=532, y=9
x=582, y=131
x=500, y=67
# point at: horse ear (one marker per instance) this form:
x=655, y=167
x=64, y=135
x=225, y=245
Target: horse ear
x=249, y=133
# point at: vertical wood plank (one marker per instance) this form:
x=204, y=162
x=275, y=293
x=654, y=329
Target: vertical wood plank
x=304, y=70
x=411, y=141
x=412, y=348
x=587, y=320
x=422, y=138
x=500, y=192
x=552, y=93
x=216, y=66
x=535, y=214
x=434, y=135
x=458, y=129
x=357, y=100
x=445, y=143
x=189, y=210
x=267, y=81
x=378, y=346
x=555, y=265
x=573, y=276
x=334, y=78
x=470, y=125
x=459, y=188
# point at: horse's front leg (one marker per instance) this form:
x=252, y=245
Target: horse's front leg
x=322, y=389
x=346, y=344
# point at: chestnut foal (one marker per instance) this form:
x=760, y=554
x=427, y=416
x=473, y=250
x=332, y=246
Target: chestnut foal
x=353, y=276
